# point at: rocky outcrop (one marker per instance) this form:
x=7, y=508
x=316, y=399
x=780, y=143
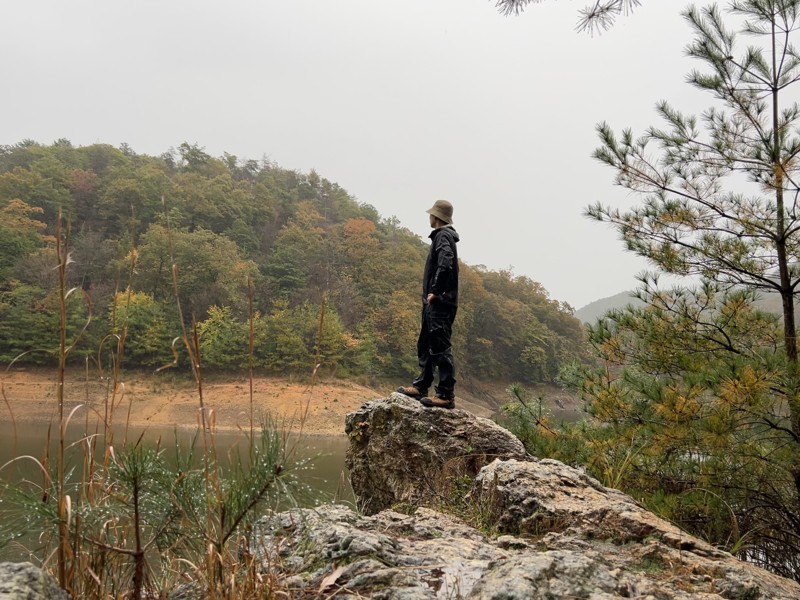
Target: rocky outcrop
x=402, y=453
x=332, y=551
x=425, y=556
x=23, y=581
x=539, y=496
x=546, y=530
x=564, y=509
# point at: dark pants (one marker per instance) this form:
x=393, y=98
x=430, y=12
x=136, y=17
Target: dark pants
x=434, y=349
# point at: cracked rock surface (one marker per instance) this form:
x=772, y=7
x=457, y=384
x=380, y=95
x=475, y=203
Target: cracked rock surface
x=333, y=552
x=24, y=581
x=547, y=530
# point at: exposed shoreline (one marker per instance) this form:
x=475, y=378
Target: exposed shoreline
x=171, y=399
x=29, y=395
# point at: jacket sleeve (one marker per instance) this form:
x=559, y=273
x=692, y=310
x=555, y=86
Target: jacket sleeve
x=444, y=264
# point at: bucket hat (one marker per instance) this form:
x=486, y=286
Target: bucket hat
x=443, y=210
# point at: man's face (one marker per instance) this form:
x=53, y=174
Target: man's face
x=432, y=219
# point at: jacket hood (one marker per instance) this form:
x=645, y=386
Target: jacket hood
x=449, y=229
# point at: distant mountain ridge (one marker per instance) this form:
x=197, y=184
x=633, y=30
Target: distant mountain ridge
x=594, y=310
x=769, y=302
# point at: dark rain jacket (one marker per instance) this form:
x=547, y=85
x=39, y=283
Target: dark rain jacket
x=441, y=268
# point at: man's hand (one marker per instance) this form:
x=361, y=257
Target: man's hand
x=431, y=298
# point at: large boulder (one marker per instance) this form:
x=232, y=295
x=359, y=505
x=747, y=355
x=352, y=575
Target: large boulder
x=563, y=508
x=332, y=551
x=526, y=529
x=24, y=581
x=546, y=530
x=392, y=556
x=535, y=496
x=402, y=453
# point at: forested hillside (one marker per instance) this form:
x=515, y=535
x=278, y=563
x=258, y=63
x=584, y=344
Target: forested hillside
x=247, y=238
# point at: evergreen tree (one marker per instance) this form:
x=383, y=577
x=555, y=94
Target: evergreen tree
x=703, y=373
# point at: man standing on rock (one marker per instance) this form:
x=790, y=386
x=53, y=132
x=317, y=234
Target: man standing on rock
x=439, y=306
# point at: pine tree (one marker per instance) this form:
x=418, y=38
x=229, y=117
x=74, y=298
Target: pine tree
x=719, y=205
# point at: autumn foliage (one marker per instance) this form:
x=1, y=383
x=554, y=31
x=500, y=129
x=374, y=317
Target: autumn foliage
x=224, y=222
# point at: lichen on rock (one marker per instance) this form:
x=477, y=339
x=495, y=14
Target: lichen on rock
x=24, y=581
x=402, y=453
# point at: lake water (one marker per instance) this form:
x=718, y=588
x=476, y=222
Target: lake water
x=326, y=475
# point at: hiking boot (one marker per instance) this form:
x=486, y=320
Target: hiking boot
x=438, y=402
x=412, y=391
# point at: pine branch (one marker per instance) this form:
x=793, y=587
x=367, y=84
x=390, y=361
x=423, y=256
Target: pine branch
x=600, y=15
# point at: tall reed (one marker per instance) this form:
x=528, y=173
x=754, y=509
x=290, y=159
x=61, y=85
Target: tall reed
x=130, y=523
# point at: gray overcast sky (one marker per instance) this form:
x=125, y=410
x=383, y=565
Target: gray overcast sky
x=399, y=102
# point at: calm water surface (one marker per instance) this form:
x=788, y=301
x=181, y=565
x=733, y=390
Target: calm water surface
x=326, y=474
